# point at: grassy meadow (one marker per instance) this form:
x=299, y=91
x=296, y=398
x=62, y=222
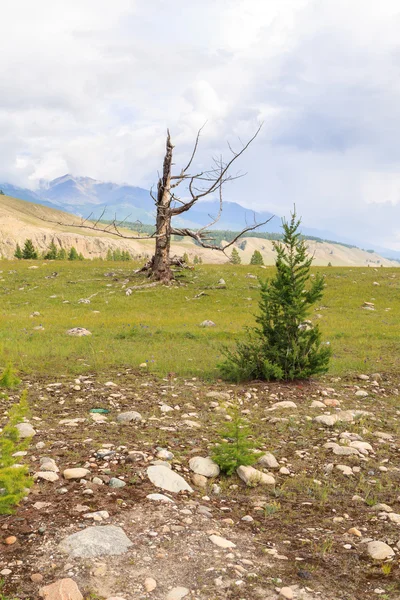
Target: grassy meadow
x=160, y=325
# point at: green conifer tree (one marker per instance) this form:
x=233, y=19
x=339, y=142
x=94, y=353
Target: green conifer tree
x=29, y=251
x=237, y=446
x=72, y=254
x=51, y=254
x=18, y=252
x=109, y=254
x=257, y=258
x=285, y=345
x=117, y=255
x=80, y=256
x=235, y=257
x=196, y=260
x=62, y=254
x=185, y=258
x=14, y=480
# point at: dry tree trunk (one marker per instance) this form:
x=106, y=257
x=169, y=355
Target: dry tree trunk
x=160, y=263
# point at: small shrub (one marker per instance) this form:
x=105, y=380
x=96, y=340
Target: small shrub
x=8, y=379
x=236, y=449
x=14, y=480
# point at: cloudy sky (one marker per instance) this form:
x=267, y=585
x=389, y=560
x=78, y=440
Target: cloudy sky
x=89, y=88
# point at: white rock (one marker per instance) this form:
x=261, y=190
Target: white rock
x=127, y=417
x=379, y=550
x=46, y=475
x=287, y=593
x=168, y=480
x=48, y=464
x=204, y=466
x=345, y=469
x=268, y=460
x=362, y=393
x=159, y=498
x=221, y=542
x=177, y=593
x=150, y=584
x=76, y=473
x=394, y=517
x=253, y=477
x=78, y=331
x=283, y=404
x=25, y=430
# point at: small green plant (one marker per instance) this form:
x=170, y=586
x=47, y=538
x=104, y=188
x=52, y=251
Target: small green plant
x=14, y=480
x=8, y=379
x=386, y=569
x=51, y=254
x=2, y=596
x=271, y=508
x=236, y=448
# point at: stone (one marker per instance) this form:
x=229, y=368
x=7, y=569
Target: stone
x=199, y=480
x=168, y=480
x=253, y=477
x=287, y=593
x=46, y=475
x=106, y=540
x=221, y=542
x=177, y=593
x=36, y=578
x=204, y=466
x=63, y=589
x=382, y=508
x=159, y=498
x=379, y=550
x=394, y=518
x=345, y=469
x=48, y=464
x=363, y=447
x=150, y=584
x=354, y=531
x=164, y=454
x=344, y=450
x=78, y=332
x=207, y=323
x=128, y=417
x=362, y=393
x=269, y=461
x=218, y=395
x=116, y=483
x=363, y=377
x=75, y=473
x=99, y=515
x=283, y=404
x=10, y=540
x=25, y=430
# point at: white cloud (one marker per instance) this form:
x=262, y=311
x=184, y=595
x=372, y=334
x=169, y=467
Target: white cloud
x=90, y=87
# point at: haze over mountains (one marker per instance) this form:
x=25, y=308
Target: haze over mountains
x=84, y=196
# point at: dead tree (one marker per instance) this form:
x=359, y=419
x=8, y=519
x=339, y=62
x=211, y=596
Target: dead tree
x=169, y=205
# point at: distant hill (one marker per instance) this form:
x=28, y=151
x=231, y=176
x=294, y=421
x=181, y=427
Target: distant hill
x=21, y=219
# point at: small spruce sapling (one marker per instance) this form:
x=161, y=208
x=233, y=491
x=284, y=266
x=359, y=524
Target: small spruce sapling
x=235, y=257
x=237, y=447
x=9, y=379
x=14, y=480
x=285, y=345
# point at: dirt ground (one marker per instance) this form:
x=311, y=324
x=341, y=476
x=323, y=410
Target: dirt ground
x=295, y=534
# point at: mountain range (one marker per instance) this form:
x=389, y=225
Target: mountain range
x=87, y=197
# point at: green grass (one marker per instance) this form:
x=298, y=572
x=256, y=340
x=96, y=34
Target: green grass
x=160, y=325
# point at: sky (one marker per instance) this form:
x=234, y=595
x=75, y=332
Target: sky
x=90, y=87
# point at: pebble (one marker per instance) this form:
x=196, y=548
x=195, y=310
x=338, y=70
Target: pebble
x=253, y=477
x=10, y=540
x=150, y=584
x=116, y=483
x=287, y=593
x=60, y=590
x=37, y=578
x=221, y=542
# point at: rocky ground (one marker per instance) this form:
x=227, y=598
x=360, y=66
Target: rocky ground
x=319, y=519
